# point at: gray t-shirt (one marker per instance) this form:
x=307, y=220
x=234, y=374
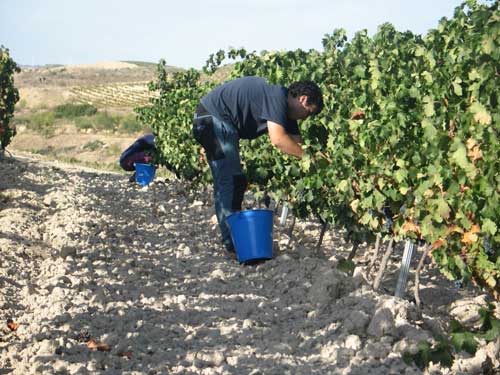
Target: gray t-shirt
x=248, y=103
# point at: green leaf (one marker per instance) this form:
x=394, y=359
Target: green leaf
x=487, y=45
x=400, y=175
x=443, y=209
x=457, y=89
x=427, y=76
x=459, y=262
x=346, y=266
x=419, y=51
x=464, y=341
x=459, y=157
x=493, y=333
x=430, y=131
x=359, y=71
x=489, y=227
x=474, y=75
x=343, y=186
x=428, y=106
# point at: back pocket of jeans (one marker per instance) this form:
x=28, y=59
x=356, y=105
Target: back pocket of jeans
x=203, y=132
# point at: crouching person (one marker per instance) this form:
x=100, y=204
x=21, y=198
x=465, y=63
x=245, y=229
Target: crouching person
x=141, y=151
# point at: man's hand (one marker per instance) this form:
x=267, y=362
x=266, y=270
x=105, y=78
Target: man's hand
x=202, y=157
x=357, y=115
x=322, y=155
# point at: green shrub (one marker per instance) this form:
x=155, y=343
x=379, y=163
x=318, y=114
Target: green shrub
x=22, y=104
x=71, y=110
x=84, y=123
x=43, y=123
x=94, y=145
x=105, y=121
x=130, y=125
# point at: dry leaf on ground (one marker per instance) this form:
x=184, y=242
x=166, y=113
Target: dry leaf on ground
x=13, y=326
x=95, y=345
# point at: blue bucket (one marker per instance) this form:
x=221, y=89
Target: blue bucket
x=252, y=233
x=144, y=173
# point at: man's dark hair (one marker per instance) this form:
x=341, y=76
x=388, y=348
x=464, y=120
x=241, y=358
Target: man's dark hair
x=309, y=89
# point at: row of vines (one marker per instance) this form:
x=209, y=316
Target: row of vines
x=115, y=95
x=423, y=162
x=9, y=96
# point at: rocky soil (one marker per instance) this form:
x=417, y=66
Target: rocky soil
x=99, y=276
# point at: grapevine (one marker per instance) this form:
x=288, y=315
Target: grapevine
x=421, y=164
x=9, y=96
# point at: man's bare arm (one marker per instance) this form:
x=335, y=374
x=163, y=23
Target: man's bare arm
x=297, y=138
x=289, y=144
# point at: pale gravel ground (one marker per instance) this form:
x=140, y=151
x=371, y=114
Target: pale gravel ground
x=82, y=256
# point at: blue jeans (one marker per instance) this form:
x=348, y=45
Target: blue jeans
x=221, y=143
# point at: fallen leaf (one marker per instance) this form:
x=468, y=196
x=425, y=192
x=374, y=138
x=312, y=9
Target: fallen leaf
x=13, y=326
x=95, y=345
x=127, y=354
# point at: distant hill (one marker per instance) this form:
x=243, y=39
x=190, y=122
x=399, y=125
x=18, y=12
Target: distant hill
x=106, y=72
x=143, y=63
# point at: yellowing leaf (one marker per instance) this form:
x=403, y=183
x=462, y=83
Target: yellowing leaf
x=471, y=237
x=490, y=281
x=354, y=205
x=487, y=45
x=428, y=193
x=481, y=115
x=474, y=152
x=410, y=226
x=404, y=190
x=428, y=106
x=471, y=143
x=439, y=243
x=305, y=163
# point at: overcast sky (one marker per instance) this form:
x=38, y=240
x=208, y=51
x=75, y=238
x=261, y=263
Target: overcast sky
x=186, y=32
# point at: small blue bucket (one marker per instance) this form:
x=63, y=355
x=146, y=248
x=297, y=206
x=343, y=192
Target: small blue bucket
x=252, y=233
x=144, y=173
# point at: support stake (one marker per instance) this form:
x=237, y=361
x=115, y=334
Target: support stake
x=284, y=214
x=404, y=269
